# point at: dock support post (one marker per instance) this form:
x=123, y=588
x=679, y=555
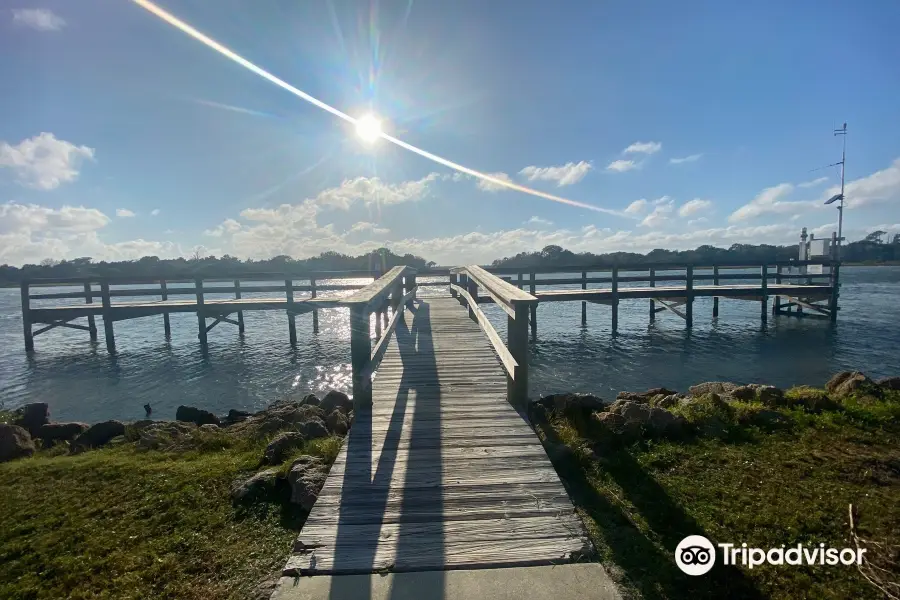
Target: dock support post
x=520, y=284
x=107, y=317
x=26, y=316
x=409, y=283
x=689, y=299
x=652, y=303
x=776, y=301
x=312, y=291
x=201, y=314
x=764, y=300
x=715, y=298
x=292, y=323
x=89, y=299
x=454, y=280
x=472, y=288
x=584, y=302
x=615, y=299
x=164, y=294
x=517, y=342
x=360, y=353
x=835, y=291
x=533, y=307
x=240, y=313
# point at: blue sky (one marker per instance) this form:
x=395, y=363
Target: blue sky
x=688, y=123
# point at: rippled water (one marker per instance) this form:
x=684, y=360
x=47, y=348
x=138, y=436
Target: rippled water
x=81, y=381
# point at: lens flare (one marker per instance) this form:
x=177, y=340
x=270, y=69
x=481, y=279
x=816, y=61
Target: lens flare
x=368, y=128
x=231, y=55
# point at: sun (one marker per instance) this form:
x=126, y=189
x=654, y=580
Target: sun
x=368, y=128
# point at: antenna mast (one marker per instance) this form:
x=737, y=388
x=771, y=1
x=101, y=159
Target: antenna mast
x=842, y=131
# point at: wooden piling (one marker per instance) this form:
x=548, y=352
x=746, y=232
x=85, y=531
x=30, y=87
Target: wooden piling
x=583, y=303
x=454, y=280
x=520, y=284
x=472, y=288
x=240, y=313
x=615, y=299
x=292, y=324
x=164, y=294
x=533, y=308
x=360, y=354
x=201, y=314
x=409, y=284
x=89, y=299
x=652, y=303
x=689, y=296
x=715, y=298
x=315, y=313
x=835, y=291
x=26, y=316
x=776, y=301
x=107, y=317
x=764, y=300
x=517, y=343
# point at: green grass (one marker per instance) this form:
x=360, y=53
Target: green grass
x=783, y=485
x=122, y=523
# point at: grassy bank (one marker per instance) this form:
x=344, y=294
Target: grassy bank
x=784, y=480
x=124, y=523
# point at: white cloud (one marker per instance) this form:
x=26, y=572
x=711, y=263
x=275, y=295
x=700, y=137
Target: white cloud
x=566, y=174
x=880, y=186
x=813, y=183
x=41, y=19
x=44, y=162
x=692, y=206
x=662, y=209
x=372, y=190
x=637, y=207
x=28, y=218
x=698, y=221
x=685, y=159
x=362, y=226
x=490, y=186
x=154, y=212
x=226, y=226
x=539, y=221
x=770, y=200
x=643, y=148
x=124, y=212
x=620, y=166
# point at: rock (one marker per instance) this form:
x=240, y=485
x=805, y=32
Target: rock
x=209, y=428
x=852, y=382
x=139, y=426
x=258, y=486
x=770, y=395
x=631, y=411
x=568, y=403
x=51, y=433
x=336, y=400
x=119, y=440
x=766, y=417
x=278, y=448
x=609, y=428
x=890, y=383
x=717, y=387
x=313, y=429
x=311, y=400
x=264, y=589
x=161, y=435
x=337, y=423
x=99, y=434
x=713, y=427
x=745, y=393
x=645, y=397
x=306, y=478
x=33, y=417
x=15, y=442
x=663, y=422
x=236, y=416
x=197, y=416
x=666, y=401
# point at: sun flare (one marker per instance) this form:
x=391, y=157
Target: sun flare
x=368, y=128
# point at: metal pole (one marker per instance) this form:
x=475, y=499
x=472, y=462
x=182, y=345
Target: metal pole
x=840, y=238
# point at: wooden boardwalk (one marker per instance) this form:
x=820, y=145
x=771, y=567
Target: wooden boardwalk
x=440, y=472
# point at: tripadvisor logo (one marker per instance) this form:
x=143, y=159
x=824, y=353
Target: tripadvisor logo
x=696, y=555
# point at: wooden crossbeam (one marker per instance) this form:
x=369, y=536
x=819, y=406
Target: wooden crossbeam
x=797, y=302
x=671, y=306
x=56, y=324
x=222, y=319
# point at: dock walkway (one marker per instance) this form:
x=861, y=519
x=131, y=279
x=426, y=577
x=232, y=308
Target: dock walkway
x=441, y=472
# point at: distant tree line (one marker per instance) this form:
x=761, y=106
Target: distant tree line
x=872, y=249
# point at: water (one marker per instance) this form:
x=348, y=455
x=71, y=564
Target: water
x=81, y=381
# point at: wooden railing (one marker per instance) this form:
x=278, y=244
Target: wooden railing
x=396, y=289
x=465, y=283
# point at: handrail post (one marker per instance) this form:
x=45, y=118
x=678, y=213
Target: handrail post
x=26, y=316
x=107, y=316
x=315, y=313
x=472, y=288
x=533, y=307
x=89, y=299
x=517, y=343
x=652, y=303
x=835, y=291
x=360, y=354
x=201, y=314
x=689, y=293
x=583, y=302
x=615, y=299
x=164, y=294
x=409, y=284
x=454, y=280
x=292, y=324
x=764, y=301
x=776, y=301
x=240, y=313
x=715, y=298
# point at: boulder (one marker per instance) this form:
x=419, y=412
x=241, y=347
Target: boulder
x=662, y=422
x=311, y=400
x=51, y=433
x=236, y=416
x=306, y=478
x=631, y=411
x=770, y=395
x=766, y=417
x=336, y=400
x=313, y=429
x=608, y=428
x=337, y=423
x=665, y=401
x=258, y=486
x=716, y=387
x=278, y=448
x=161, y=435
x=15, y=442
x=197, y=416
x=570, y=404
x=99, y=434
x=746, y=393
x=33, y=416
x=209, y=428
x=645, y=397
x=852, y=382
x=890, y=383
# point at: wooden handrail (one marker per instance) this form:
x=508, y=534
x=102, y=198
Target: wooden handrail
x=502, y=351
x=379, y=289
x=659, y=266
x=505, y=294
